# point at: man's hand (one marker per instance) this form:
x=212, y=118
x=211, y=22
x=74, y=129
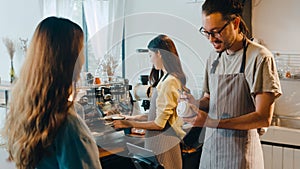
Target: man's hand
x=201, y=117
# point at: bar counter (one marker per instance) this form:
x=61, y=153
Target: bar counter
x=112, y=148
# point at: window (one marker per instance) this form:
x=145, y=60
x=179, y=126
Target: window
x=96, y=17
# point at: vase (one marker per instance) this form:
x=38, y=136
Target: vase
x=12, y=72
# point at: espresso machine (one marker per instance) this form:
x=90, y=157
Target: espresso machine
x=112, y=97
x=142, y=92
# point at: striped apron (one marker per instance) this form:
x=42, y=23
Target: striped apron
x=165, y=143
x=226, y=148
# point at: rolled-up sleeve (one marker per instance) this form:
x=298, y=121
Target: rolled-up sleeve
x=167, y=101
x=266, y=77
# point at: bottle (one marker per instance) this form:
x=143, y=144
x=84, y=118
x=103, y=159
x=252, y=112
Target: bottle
x=104, y=76
x=12, y=72
x=100, y=75
x=97, y=80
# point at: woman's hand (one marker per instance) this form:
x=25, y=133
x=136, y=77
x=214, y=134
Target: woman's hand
x=127, y=117
x=120, y=124
x=140, y=117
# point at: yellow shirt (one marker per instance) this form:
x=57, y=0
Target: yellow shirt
x=166, y=103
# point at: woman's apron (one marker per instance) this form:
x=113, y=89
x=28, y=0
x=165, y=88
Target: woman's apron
x=225, y=148
x=165, y=143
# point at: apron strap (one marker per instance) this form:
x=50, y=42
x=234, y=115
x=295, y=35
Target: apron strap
x=245, y=46
x=165, y=77
x=215, y=64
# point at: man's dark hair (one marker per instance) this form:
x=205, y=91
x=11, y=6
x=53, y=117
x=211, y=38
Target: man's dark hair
x=229, y=10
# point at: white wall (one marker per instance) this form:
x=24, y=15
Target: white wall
x=18, y=20
x=277, y=23
x=176, y=18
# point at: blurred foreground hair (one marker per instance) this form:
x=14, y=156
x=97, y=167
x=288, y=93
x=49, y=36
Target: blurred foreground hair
x=39, y=101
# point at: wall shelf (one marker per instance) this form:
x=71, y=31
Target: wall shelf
x=288, y=65
x=5, y=87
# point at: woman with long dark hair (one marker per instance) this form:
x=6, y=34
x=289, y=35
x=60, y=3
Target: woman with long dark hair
x=163, y=126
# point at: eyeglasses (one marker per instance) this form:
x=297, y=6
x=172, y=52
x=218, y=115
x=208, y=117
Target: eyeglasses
x=215, y=34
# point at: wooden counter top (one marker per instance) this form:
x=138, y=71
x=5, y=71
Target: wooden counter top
x=110, y=141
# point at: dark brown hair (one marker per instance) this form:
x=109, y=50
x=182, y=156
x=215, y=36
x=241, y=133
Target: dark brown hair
x=229, y=10
x=171, y=61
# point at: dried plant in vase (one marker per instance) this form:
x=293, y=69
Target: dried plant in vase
x=108, y=65
x=11, y=51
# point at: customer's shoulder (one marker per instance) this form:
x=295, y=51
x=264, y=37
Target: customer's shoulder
x=75, y=124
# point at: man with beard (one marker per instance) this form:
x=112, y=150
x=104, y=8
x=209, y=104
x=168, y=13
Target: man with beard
x=240, y=86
